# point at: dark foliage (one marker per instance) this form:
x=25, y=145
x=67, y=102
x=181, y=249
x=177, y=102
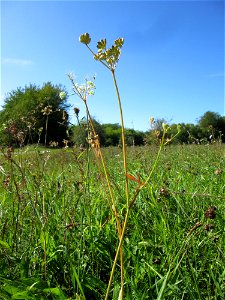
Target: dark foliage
x=33, y=114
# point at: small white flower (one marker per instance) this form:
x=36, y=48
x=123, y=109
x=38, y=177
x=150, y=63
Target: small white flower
x=62, y=95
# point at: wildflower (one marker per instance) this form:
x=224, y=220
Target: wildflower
x=29, y=125
x=85, y=38
x=218, y=172
x=210, y=213
x=20, y=136
x=163, y=192
x=157, y=133
x=165, y=127
x=53, y=144
x=93, y=140
x=90, y=88
x=62, y=95
x=76, y=110
x=65, y=142
x=151, y=121
x=47, y=110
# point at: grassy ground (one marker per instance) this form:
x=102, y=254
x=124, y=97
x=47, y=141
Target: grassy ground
x=58, y=238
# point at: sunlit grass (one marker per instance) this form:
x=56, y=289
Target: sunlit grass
x=58, y=238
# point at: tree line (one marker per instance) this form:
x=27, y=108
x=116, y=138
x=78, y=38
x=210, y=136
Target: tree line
x=34, y=114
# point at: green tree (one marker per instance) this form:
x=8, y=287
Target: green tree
x=221, y=129
x=33, y=114
x=109, y=134
x=189, y=133
x=134, y=137
x=212, y=126
x=112, y=134
x=80, y=132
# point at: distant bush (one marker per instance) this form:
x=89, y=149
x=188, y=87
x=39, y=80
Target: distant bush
x=34, y=115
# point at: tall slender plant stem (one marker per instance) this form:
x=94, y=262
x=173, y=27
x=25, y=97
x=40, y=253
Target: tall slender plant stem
x=122, y=136
x=116, y=258
x=120, y=248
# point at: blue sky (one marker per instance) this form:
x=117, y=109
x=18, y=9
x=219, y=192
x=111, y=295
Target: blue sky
x=172, y=62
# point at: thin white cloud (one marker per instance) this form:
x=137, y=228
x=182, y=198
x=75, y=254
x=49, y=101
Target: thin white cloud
x=213, y=75
x=17, y=61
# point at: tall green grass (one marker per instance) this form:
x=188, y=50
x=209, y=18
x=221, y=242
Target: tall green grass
x=58, y=237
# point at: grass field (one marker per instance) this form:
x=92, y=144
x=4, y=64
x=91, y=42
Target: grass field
x=58, y=237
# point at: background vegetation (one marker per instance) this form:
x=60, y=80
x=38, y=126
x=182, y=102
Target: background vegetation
x=26, y=110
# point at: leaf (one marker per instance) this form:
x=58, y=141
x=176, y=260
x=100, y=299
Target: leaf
x=94, y=283
x=75, y=277
x=131, y=177
x=56, y=293
x=4, y=245
x=163, y=287
x=100, y=56
x=22, y=295
x=119, y=42
x=101, y=45
x=12, y=290
x=116, y=291
x=85, y=38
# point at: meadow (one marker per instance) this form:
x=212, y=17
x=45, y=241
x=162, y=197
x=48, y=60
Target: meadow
x=58, y=237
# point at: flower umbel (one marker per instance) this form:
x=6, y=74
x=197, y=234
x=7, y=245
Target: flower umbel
x=47, y=110
x=62, y=95
x=83, y=90
x=108, y=57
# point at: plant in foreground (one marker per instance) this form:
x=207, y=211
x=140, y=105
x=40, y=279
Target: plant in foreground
x=109, y=57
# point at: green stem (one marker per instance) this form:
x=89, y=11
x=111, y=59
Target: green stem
x=123, y=136
x=126, y=184
x=116, y=256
